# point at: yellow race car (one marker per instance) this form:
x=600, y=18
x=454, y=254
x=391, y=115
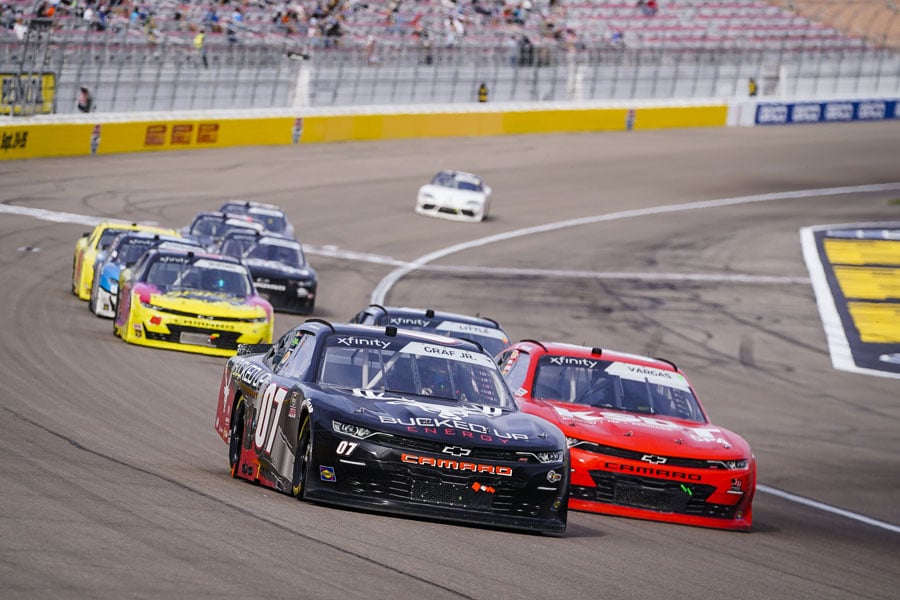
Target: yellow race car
x=179, y=299
x=91, y=245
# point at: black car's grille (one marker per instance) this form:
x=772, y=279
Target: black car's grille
x=669, y=461
x=195, y=336
x=661, y=495
x=459, y=452
x=282, y=294
x=474, y=492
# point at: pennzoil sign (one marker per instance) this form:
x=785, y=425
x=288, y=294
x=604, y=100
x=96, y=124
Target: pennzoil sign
x=29, y=93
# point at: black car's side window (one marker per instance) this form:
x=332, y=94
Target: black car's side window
x=298, y=357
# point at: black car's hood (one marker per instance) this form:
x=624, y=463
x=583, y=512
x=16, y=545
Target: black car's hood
x=431, y=418
x=271, y=268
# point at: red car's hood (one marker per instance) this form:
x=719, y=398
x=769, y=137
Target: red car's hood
x=654, y=434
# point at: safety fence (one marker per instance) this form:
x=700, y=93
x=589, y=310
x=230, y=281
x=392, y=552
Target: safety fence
x=50, y=73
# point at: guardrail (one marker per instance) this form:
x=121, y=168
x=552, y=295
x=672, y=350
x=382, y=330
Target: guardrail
x=82, y=135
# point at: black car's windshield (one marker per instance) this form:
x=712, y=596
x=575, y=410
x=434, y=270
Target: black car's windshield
x=286, y=252
x=392, y=365
x=616, y=385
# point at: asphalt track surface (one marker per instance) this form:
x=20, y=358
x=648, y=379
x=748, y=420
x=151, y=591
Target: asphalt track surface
x=113, y=483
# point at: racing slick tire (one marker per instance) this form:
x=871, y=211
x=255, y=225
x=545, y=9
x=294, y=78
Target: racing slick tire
x=302, y=459
x=236, y=437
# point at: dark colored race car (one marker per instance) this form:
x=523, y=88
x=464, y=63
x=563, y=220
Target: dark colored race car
x=209, y=226
x=391, y=420
x=278, y=267
x=270, y=216
x=484, y=331
x=641, y=443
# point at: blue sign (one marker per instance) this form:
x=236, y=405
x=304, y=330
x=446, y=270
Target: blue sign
x=785, y=113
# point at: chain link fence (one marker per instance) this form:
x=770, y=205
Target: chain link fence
x=45, y=71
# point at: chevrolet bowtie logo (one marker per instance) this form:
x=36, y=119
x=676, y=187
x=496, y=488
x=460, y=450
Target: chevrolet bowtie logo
x=456, y=451
x=653, y=459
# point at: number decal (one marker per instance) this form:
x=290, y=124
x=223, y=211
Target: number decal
x=267, y=423
x=346, y=448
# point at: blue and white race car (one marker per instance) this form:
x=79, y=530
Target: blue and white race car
x=123, y=252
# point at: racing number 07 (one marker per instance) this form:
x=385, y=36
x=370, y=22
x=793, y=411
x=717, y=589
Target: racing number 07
x=266, y=425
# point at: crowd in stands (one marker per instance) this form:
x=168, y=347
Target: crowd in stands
x=331, y=23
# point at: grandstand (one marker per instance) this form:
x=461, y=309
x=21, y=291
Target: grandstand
x=753, y=24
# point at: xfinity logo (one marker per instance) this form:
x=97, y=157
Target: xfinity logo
x=653, y=459
x=356, y=341
x=409, y=321
x=456, y=451
x=565, y=361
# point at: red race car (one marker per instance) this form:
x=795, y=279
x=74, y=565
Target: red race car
x=641, y=444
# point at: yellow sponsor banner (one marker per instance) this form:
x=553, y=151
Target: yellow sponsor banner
x=877, y=323
x=869, y=283
x=74, y=139
x=862, y=252
x=27, y=94
x=340, y=128
x=21, y=140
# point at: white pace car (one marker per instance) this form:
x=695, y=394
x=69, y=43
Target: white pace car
x=455, y=195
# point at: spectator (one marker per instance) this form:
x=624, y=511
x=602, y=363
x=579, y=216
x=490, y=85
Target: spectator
x=85, y=100
x=200, y=45
x=20, y=29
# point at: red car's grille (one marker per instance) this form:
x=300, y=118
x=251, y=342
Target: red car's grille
x=661, y=495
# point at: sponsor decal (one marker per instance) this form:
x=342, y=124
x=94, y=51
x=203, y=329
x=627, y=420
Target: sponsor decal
x=275, y=287
x=181, y=134
x=553, y=476
x=452, y=427
x=252, y=374
x=771, y=114
x=839, y=111
x=483, y=488
x=571, y=361
x=806, y=113
x=327, y=473
x=455, y=465
x=654, y=460
x=155, y=136
x=871, y=111
x=207, y=133
x=409, y=322
x=13, y=141
x=363, y=342
x=651, y=471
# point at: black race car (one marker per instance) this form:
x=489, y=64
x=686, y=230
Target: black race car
x=209, y=226
x=279, y=269
x=487, y=332
x=391, y=420
x=270, y=216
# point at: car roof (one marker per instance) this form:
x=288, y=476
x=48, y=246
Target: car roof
x=319, y=325
x=436, y=315
x=575, y=350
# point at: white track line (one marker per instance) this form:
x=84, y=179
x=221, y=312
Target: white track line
x=829, y=509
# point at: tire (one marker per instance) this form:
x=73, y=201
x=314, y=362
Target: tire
x=302, y=460
x=236, y=437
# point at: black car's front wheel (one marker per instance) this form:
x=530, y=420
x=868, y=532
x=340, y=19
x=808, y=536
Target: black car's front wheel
x=302, y=459
x=236, y=437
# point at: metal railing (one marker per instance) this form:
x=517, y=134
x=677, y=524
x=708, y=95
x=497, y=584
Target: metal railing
x=126, y=73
